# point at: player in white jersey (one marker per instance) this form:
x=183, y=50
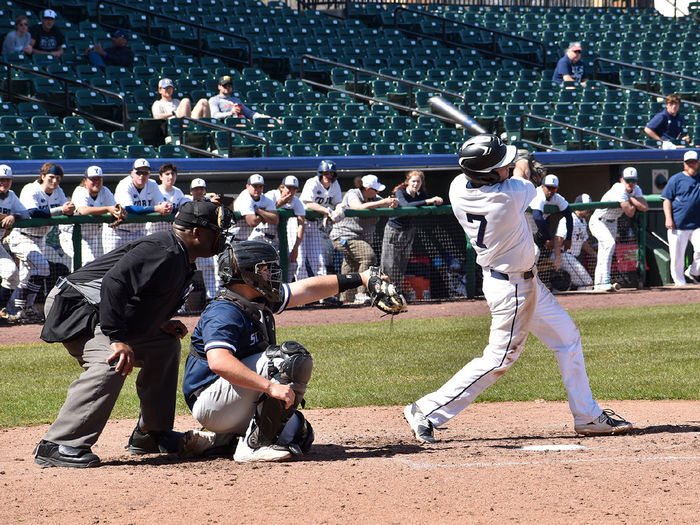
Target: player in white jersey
x=322, y=194
x=10, y=209
x=167, y=174
x=138, y=195
x=91, y=197
x=255, y=210
x=285, y=197
x=603, y=223
x=567, y=259
x=548, y=195
x=207, y=265
x=490, y=208
x=43, y=199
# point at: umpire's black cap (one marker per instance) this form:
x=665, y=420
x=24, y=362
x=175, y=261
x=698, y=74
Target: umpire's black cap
x=198, y=214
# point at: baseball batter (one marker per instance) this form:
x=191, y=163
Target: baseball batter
x=138, y=195
x=91, y=197
x=320, y=193
x=43, y=199
x=490, y=207
x=256, y=210
x=10, y=209
x=603, y=223
x=567, y=260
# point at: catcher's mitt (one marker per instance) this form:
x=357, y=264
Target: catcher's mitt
x=384, y=294
x=121, y=218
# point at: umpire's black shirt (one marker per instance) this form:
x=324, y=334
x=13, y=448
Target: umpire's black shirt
x=143, y=285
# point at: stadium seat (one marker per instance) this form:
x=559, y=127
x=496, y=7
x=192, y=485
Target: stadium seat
x=171, y=151
x=61, y=138
x=77, y=151
x=13, y=152
x=104, y=151
x=27, y=138
x=43, y=123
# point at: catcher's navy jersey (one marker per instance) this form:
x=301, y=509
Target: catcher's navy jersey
x=222, y=325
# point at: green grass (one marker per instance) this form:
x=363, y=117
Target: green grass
x=631, y=353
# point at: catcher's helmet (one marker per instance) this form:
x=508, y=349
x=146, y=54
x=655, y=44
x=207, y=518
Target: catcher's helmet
x=326, y=166
x=254, y=263
x=481, y=155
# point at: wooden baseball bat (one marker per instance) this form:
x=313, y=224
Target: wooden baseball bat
x=442, y=107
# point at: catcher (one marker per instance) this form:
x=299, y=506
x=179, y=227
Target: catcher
x=240, y=384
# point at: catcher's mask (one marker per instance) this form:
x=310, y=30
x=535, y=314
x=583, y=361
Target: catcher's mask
x=204, y=214
x=254, y=263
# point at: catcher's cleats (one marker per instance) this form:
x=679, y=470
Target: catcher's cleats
x=384, y=294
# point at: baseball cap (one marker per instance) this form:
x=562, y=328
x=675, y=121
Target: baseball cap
x=48, y=13
x=551, y=180
x=225, y=79
x=584, y=198
x=5, y=171
x=690, y=155
x=291, y=180
x=629, y=174
x=93, y=171
x=141, y=163
x=120, y=33
x=256, y=179
x=198, y=213
x=197, y=183
x=165, y=82
x=371, y=181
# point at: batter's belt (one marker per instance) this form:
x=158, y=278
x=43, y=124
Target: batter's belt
x=504, y=276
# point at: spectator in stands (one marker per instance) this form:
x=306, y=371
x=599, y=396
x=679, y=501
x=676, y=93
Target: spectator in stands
x=138, y=195
x=352, y=235
x=10, y=209
x=47, y=39
x=681, y=204
x=224, y=105
x=169, y=107
x=399, y=232
x=92, y=197
x=43, y=199
x=570, y=67
x=667, y=125
x=207, y=265
x=18, y=40
x=567, y=259
x=603, y=223
x=547, y=195
x=120, y=54
x=285, y=197
x=255, y=209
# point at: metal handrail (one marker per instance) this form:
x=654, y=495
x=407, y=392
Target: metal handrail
x=358, y=70
x=220, y=127
x=199, y=28
x=493, y=32
x=66, y=106
x=579, y=129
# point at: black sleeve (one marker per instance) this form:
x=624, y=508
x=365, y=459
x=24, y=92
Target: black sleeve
x=401, y=196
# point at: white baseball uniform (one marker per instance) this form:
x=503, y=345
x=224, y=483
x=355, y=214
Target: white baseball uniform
x=541, y=200
x=9, y=273
x=311, y=249
x=603, y=225
x=175, y=197
x=569, y=262
x=127, y=194
x=92, y=234
x=493, y=218
x=245, y=205
x=298, y=209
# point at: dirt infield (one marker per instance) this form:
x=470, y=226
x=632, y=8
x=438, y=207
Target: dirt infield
x=366, y=467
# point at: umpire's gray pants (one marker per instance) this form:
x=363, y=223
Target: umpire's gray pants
x=92, y=396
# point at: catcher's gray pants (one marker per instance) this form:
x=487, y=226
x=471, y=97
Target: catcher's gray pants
x=91, y=397
x=359, y=256
x=396, y=251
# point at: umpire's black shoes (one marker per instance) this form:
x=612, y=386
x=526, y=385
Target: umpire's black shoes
x=49, y=454
x=166, y=441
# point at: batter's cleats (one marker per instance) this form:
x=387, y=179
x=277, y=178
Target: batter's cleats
x=692, y=279
x=49, y=454
x=422, y=428
x=245, y=454
x=166, y=442
x=606, y=424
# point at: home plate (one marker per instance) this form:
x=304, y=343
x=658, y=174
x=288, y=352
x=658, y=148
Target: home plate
x=546, y=448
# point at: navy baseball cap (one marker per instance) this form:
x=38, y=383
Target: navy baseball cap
x=120, y=33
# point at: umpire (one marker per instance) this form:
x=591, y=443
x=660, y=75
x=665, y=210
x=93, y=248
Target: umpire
x=113, y=314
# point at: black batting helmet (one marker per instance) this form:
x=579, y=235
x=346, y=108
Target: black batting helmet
x=254, y=263
x=326, y=166
x=481, y=155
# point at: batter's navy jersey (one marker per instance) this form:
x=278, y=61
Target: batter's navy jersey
x=222, y=325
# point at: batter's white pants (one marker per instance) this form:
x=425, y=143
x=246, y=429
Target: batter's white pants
x=9, y=273
x=579, y=275
x=311, y=252
x=225, y=408
x=605, y=231
x=677, y=243
x=518, y=306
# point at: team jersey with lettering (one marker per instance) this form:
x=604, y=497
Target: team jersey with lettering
x=314, y=191
x=174, y=197
x=616, y=193
x=493, y=218
x=127, y=194
x=81, y=197
x=33, y=197
x=11, y=205
x=245, y=205
x=579, y=235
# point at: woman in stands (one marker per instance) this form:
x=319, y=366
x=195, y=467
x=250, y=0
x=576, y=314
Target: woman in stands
x=17, y=41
